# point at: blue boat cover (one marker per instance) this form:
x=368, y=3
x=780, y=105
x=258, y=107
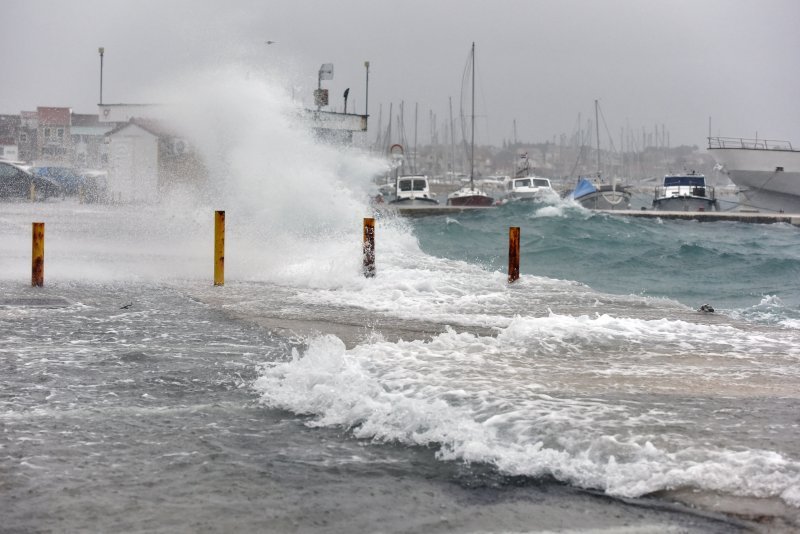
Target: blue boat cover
x=583, y=188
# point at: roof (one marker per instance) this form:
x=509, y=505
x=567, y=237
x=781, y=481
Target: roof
x=53, y=116
x=149, y=125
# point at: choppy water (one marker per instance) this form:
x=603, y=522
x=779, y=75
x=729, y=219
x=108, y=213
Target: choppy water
x=435, y=397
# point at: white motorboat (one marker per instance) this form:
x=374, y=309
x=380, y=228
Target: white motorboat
x=413, y=190
x=685, y=192
x=528, y=188
x=767, y=172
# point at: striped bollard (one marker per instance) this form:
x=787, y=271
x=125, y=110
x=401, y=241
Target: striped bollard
x=369, y=247
x=513, y=253
x=37, y=261
x=219, y=248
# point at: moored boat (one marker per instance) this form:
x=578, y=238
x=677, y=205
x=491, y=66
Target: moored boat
x=685, y=192
x=592, y=196
x=767, y=172
x=528, y=188
x=469, y=195
x=413, y=190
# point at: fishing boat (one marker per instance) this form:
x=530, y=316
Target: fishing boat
x=685, y=192
x=413, y=190
x=767, y=172
x=598, y=194
x=471, y=195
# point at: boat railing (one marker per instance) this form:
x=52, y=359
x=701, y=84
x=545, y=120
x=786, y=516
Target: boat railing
x=669, y=191
x=752, y=144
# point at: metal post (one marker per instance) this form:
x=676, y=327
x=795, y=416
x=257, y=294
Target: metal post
x=102, y=51
x=366, y=99
x=37, y=263
x=219, y=248
x=369, y=247
x=513, y=254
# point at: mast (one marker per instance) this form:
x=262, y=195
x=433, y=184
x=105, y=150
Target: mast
x=452, y=141
x=597, y=128
x=472, y=136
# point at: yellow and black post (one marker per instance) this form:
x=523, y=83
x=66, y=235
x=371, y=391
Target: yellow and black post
x=219, y=248
x=369, y=247
x=513, y=253
x=37, y=262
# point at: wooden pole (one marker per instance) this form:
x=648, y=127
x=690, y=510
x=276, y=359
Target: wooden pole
x=369, y=247
x=219, y=248
x=513, y=253
x=37, y=263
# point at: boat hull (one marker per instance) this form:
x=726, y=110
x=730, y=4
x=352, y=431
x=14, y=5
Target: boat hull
x=471, y=200
x=606, y=200
x=415, y=202
x=685, y=203
x=768, y=179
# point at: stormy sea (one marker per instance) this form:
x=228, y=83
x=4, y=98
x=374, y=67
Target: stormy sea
x=589, y=395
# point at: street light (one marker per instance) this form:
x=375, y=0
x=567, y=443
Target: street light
x=102, y=51
x=366, y=104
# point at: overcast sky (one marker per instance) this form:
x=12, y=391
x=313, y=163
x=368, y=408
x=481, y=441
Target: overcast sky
x=539, y=62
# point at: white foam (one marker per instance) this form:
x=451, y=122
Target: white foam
x=485, y=399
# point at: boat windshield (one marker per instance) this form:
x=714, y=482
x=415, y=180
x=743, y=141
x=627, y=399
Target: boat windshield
x=419, y=185
x=541, y=182
x=412, y=185
x=684, y=180
x=522, y=183
x=404, y=185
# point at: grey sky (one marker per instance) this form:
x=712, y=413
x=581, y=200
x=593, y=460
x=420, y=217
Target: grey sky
x=671, y=62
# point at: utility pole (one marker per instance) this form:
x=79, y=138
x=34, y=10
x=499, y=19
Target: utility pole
x=102, y=51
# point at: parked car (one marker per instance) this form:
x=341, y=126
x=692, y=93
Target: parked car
x=16, y=180
x=69, y=179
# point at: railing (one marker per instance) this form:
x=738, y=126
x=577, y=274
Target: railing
x=752, y=144
x=678, y=191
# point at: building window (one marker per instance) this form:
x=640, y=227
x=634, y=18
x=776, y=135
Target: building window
x=60, y=133
x=47, y=133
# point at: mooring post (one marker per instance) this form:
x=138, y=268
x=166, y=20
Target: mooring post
x=219, y=248
x=369, y=247
x=513, y=253
x=37, y=263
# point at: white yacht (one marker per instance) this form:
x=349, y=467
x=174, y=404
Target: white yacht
x=766, y=172
x=528, y=188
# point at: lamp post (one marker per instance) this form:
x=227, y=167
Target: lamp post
x=102, y=51
x=366, y=99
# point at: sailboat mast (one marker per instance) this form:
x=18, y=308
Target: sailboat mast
x=452, y=141
x=597, y=130
x=472, y=137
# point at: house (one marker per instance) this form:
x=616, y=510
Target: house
x=9, y=128
x=146, y=159
x=89, y=149
x=53, y=134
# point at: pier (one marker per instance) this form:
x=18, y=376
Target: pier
x=713, y=216
x=701, y=216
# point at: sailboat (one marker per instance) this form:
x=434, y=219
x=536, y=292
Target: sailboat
x=599, y=195
x=470, y=195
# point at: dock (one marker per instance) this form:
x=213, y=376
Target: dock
x=713, y=216
x=701, y=216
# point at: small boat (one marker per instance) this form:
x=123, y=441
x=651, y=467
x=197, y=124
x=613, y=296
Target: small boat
x=469, y=195
x=413, y=190
x=528, y=188
x=685, y=192
x=601, y=196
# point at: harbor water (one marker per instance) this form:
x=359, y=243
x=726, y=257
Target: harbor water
x=436, y=397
